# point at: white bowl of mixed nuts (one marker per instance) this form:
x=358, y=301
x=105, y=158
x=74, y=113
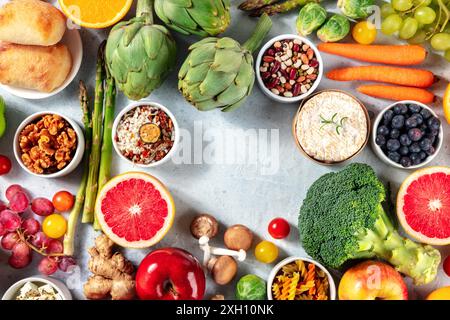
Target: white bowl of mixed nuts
x=145, y=134
x=289, y=68
x=48, y=144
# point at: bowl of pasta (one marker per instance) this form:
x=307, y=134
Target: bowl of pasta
x=300, y=278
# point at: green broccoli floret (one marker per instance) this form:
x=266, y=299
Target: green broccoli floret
x=342, y=218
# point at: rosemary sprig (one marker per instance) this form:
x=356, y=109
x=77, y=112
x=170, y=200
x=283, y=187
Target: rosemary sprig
x=333, y=121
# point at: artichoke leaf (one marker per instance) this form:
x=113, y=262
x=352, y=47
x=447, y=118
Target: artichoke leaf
x=227, y=61
x=197, y=74
x=199, y=56
x=200, y=43
x=216, y=82
x=183, y=70
x=176, y=12
x=228, y=43
x=246, y=75
x=131, y=30
x=232, y=94
x=153, y=40
x=209, y=105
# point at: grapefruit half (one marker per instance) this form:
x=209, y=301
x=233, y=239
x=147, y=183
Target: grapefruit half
x=423, y=205
x=135, y=210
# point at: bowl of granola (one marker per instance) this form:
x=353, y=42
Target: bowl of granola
x=37, y=288
x=48, y=144
x=145, y=134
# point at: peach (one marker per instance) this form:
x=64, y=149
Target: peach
x=372, y=280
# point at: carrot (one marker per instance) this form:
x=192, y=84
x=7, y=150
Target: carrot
x=397, y=93
x=401, y=76
x=403, y=55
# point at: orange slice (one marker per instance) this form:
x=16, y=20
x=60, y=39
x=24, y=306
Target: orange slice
x=446, y=103
x=95, y=14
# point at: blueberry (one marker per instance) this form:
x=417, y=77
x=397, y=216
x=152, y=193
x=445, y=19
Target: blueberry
x=383, y=130
x=430, y=137
x=405, y=140
x=406, y=162
x=425, y=113
x=404, y=150
x=414, y=147
x=398, y=121
x=434, y=123
x=380, y=140
x=431, y=151
x=400, y=109
x=415, y=134
x=394, y=156
x=418, y=118
x=411, y=122
x=387, y=116
x=395, y=134
x=434, y=132
x=422, y=155
x=414, y=108
x=423, y=127
x=414, y=157
x=425, y=144
x=393, y=145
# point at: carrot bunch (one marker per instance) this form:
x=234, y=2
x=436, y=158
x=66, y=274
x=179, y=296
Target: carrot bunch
x=407, y=83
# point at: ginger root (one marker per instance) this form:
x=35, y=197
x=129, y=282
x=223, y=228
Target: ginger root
x=113, y=273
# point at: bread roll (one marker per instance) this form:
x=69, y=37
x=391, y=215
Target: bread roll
x=34, y=67
x=31, y=22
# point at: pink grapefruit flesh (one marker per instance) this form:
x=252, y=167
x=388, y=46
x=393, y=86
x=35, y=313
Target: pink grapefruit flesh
x=423, y=205
x=135, y=210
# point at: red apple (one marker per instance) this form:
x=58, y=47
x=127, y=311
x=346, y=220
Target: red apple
x=372, y=280
x=170, y=274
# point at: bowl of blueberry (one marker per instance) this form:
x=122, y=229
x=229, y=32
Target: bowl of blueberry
x=407, y=135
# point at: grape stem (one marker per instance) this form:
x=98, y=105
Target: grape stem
x=41, y=251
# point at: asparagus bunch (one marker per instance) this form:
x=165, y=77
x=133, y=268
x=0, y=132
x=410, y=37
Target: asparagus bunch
x=271, y=7
x=69, y=237
x=97, y=122
x=107, y=144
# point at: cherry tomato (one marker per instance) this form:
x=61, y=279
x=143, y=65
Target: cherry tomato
x=63, y=201
x=447, y=265
x=5, y=165
x=266, y=252
x=54, y=226
x=364, y=32
x=279, y=228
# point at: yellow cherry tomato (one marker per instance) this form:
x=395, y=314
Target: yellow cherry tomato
x=364, y=32
x=266, y=252
x=54, y=226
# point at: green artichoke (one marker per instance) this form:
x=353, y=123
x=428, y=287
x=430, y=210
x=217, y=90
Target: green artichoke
x=218, y=72
x=140, y=54
x=356, y=9
x=201, y=17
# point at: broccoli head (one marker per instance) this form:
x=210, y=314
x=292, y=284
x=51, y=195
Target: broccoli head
x=342, y=218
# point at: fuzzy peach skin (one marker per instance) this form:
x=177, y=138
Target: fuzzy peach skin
x=372, y=280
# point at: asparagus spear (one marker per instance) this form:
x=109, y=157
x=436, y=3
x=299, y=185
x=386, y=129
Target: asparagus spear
x=97, y=121
x=281, y=7
x=255, y=4
x=69, y=237
x=107, y=145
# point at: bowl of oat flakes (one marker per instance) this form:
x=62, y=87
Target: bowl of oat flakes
x=48, y=144
x=145, y=134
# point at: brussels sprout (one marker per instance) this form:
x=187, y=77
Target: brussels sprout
x=356, y=9
x=310, y=18
x=251, y=287
x=335, y=29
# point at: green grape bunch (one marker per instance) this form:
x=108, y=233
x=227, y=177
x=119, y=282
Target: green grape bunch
x=419, y=21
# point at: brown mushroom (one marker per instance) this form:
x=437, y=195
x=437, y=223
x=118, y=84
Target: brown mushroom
x=204, y=225
x=238, y=237
x=223, y=269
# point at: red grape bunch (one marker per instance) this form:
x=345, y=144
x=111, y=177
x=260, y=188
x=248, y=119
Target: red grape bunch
x=22, y=234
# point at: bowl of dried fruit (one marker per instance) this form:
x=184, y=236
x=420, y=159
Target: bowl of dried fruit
x=289, y=68
x=145, y=134
x=48, y=144
x=300, y=278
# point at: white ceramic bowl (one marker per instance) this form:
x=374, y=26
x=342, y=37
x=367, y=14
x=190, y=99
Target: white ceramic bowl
x=78, y=153
x=267, y=91
x=73, y=41
x=377, y=149
x=145, y=103
x=282, y=263
x=11, y=293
